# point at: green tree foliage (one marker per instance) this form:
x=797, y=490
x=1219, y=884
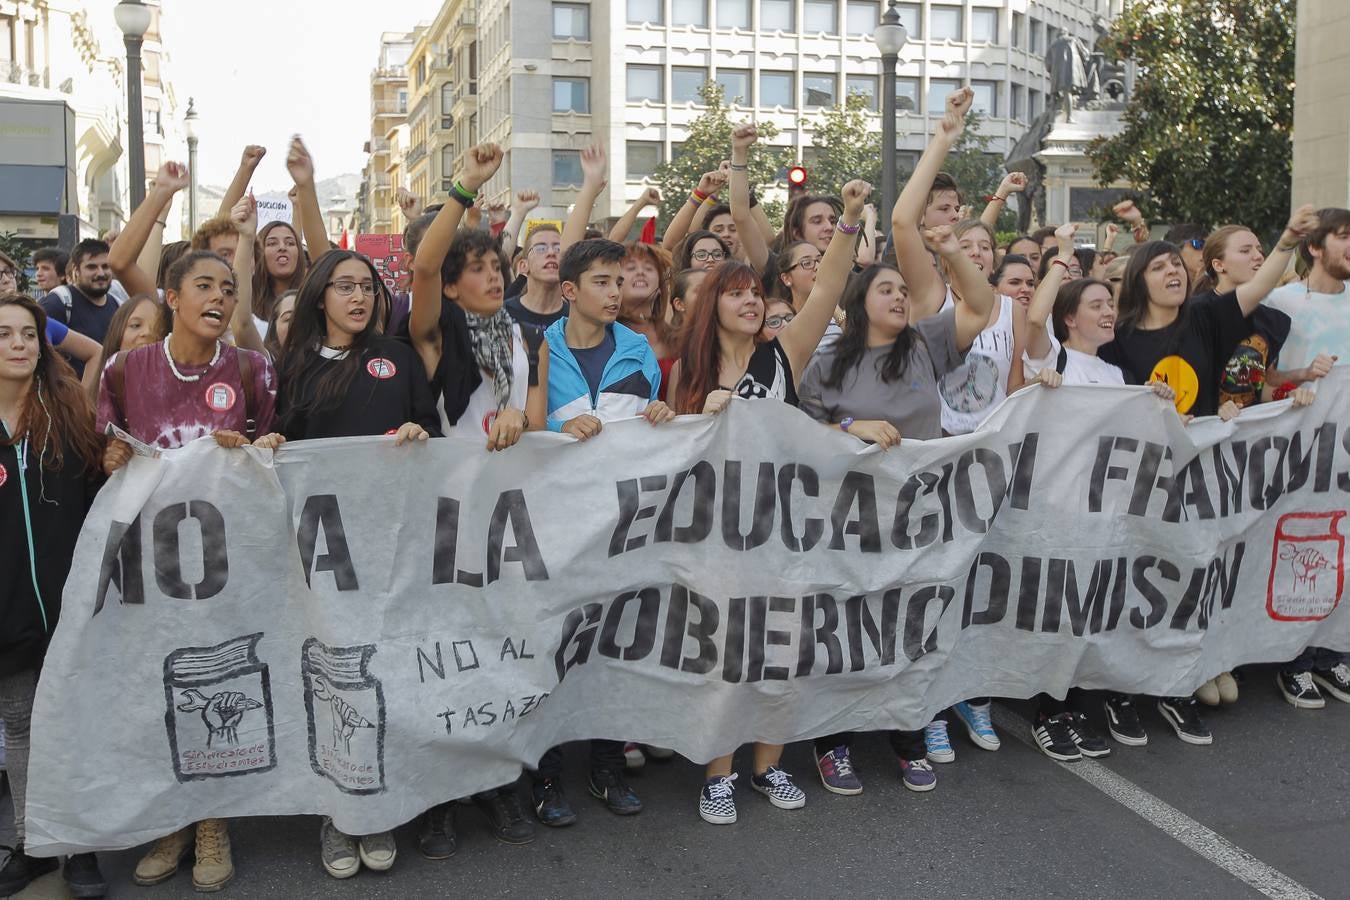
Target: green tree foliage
x=13, y=246
x=1207, y=130
x=709, y=143
x=843, y=148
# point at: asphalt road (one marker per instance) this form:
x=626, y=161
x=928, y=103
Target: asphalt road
x=1265, y=811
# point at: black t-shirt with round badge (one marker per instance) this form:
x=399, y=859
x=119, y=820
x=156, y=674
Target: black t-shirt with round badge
x=389, y=389
x=1189, y=354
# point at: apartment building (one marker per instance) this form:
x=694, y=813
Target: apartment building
x=63, y=127
x=628, y=72
x=388, y=111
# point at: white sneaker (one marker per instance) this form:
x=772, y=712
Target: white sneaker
x=338, y=851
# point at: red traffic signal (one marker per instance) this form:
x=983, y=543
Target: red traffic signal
x=796, y=176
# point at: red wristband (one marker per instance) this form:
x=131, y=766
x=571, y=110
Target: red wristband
x=1059, y=262
x=702, y=197
x=1284, y=390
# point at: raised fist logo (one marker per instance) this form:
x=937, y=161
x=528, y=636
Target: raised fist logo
x=220, y=713
x=1306, y=563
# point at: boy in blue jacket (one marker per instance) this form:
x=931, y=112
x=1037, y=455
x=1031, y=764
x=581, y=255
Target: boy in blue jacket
x=599, y=371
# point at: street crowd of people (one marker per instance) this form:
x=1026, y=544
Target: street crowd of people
x=262, y=336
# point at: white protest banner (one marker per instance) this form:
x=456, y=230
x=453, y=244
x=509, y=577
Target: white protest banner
x=274, y=211
x=363, y=630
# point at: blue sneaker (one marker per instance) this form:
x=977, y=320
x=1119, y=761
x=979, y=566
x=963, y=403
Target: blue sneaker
x=610, y=788
x=550, y=804
x=936, y=742
x=836, y=772
x=978, y=725
x=918, y=774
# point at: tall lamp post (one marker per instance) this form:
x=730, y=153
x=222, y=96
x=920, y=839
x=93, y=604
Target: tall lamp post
x=190, y=128
x=134, y=18
x=891, y=38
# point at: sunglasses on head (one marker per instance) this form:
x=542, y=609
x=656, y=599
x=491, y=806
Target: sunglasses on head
x=1197, y=243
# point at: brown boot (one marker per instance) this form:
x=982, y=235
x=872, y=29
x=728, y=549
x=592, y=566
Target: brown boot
x=161, y=863
x=214, y=867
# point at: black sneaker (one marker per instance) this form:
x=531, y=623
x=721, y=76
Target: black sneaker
x=1089, y=742
x=83, y=877
x=1054, y=737
x=1183, y=714
x=1122, y=720
x=436, y=832
x=618, y=797
x=1335, y=681
x=506, y=819
x=1300, y=690
x=21, y=869
x=550, y=805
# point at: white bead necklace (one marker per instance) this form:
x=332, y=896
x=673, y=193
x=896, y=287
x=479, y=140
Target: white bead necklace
x=188, y=379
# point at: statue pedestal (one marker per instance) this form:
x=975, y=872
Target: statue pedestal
x=1072, y=193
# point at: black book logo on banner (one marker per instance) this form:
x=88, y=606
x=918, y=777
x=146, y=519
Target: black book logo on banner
x=219, y=710
x=345, y=707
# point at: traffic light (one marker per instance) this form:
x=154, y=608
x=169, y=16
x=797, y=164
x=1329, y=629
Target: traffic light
x=797, y=177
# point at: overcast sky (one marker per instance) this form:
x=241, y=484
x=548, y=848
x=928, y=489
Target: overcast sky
x=262, y=70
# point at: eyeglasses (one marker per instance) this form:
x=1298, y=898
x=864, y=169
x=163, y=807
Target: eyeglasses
x=545, y=248
x=1196, y=243
x=347, y=288
x=807, y=263
x=10, y=274
x=705, y=255
x=778, y=321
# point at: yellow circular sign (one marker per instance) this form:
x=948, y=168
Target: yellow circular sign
x=1175, y=371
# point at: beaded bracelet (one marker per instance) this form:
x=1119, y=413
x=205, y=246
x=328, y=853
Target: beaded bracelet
x=846, y=228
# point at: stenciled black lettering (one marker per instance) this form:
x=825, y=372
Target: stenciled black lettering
x=700, y=524
x=761, y=522
x=822, y=634
x=321, y=512
x=644, y=625
x=916, y=641
x=812, y=528
x=121, y=566
x=168, y=552
x=511, y=510
x=857, y=489
x=1102, y=469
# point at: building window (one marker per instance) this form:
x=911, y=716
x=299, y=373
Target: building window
x=644, y=158
x=644, y=83
x=1019, y=103
x=1034, y=35
x=909, y=17
x=1019, y=23
x=984, y=25
x=571, y=95
x=646, y=11
x=685, y=82
x=775, y=89
x=571, y=20
x=733, y=14
x=1051, y=35
x=986, y=97
x=403, y=100
x=1033, y=103
x=735, y=86
x=938, y=89
x=820, y=16
x=447, y=167
x=567, y=168
x=863, y=86
x=907, y=95
x=818, y=90
x=944, y=22
x=447, y=103
x=693, y=13
x=862, y=16
x=777, y=15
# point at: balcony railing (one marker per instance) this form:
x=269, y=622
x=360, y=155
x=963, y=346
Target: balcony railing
x=379, y=145
x=416, y=153
x=388, y=108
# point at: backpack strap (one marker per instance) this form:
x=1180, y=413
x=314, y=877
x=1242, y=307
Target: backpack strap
x=1062, y=360
x=117, y=382
x=246, y=379
x=534, y=339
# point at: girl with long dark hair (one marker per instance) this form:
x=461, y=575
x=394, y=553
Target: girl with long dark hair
x=49, y=472
x=879, y=382
x=721, y=359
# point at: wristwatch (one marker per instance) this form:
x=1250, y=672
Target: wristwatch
x=845, y=424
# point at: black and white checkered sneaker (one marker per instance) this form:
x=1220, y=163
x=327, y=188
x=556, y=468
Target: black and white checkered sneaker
x=778, y=787
x=717, y=802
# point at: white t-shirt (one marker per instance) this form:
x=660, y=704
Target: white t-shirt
x=1079, y=368
x=482, y=409
x=1321, y=323
x=971, y=391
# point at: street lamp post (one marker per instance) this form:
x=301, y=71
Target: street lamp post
x=190, y=128
x=891, y=38
x=134, y=18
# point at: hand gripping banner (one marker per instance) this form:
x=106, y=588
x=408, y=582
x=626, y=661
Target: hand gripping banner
x=362, y=630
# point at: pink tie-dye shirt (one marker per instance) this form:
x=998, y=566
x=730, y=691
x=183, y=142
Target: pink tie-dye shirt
x=165, y=412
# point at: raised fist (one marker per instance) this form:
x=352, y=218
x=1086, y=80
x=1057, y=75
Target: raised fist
x=480, y=164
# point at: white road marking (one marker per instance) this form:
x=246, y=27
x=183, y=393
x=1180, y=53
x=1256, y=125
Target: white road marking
x=1168, y=819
